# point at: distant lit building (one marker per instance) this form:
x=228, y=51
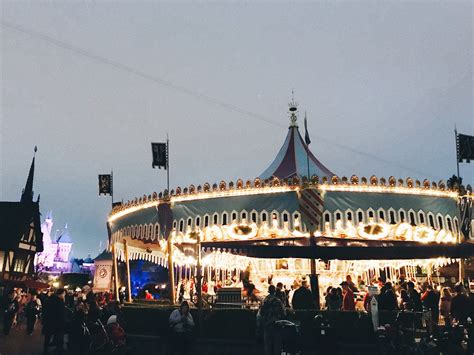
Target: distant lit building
x=55, y=258
x=21, y=235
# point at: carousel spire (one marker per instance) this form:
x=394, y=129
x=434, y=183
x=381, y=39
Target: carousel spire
x=293, y=108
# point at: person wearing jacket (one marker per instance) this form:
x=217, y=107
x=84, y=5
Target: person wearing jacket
x=181, y=323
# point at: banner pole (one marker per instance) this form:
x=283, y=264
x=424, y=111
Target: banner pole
x=167, y=163
x=112, y=187
x=457, y=150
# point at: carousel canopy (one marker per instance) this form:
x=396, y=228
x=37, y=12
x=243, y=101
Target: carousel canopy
x=293, y=158
x=342, y=249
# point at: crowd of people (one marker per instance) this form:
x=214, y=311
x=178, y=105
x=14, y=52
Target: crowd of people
x=77, y=321
x=445, y=304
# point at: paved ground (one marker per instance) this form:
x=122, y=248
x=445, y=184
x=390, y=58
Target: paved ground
x=20, y=343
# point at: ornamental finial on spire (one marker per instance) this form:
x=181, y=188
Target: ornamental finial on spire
x=293, y=108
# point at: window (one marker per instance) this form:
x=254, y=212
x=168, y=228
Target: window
x=175, y=224
x=440, y=222
x=224, y=218
x=181, y=225
x=243, y=215
x=198, y=221
x=393, y=220
x=145, y=231
x=371, y=214
x=190, y=222
x=19, y=265
x=157, y=231
x=360, y=217
x=421, y=216
x=337, y=216
x=412, y=219
x=215, y=219
x=234, y=216
x=431, y=220
x=327, y=217
x=285, y=217
x=264, y=216
x=402, y=216
x=206, y=221
x=450, y=225
x=349, y=216
x=150, y=232
x=254, y=217
x=382, y=215
x=456, y=226
x=139, y=232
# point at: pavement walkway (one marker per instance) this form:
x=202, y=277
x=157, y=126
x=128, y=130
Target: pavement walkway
x=20, y=343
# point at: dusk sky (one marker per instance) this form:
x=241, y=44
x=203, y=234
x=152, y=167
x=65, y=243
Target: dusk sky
x=92, y=84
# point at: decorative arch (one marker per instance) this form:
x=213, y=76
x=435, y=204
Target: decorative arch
x=431, y=220
x=206, y=220
x=276, y=215
x=157, y=231
x=224, y=218
x=381, y=215
x=338, y=216
x=440, y=221
x=264, y=217
x=234, y=216
x=190, y=222
x=150, y=231
x=253, y=216
x=371, y=214
x=244, y=215
x=412, y=217
x=456, y=225
x=392, y=216
x=181, y=225
x=449, y=223
x=402, y=215
x=422, y=217
x=350, y=215
x=360, y=216
x=197, y=221
x=215, y=219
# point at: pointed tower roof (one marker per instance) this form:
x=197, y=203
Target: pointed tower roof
x=27, y=194
x=294, y=155
x=65, y=236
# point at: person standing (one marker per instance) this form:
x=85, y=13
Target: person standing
x=430, y=300
x=459, y=305
x=302, y=297
x=32, y=310
x=181, y=323
x=272, y=310
x=445, y=305
x=11, y=310
x=280, y=293
x=348, y=302
x=414, y=299
x=54, y=321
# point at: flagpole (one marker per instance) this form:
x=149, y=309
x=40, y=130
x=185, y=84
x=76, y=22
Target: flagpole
x=112, y=187
x=457, y=149
x=167, y=163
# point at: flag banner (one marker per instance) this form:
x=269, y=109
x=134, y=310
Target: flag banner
x=160, y=155
x=465, y=147
x=311, y=206
x=465, y=209
x=103, y=276
x=105, y=184
x=307, y=140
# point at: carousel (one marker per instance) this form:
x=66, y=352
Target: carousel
x=296, y=219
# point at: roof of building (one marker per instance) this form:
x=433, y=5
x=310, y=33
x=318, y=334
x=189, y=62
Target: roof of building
x=15, y=219
x=64, y=237
x=294, y=156
x=105, y=255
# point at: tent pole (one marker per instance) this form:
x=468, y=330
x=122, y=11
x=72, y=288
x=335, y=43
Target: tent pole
x=127, y=264
x=116, y=283
x=171, y=270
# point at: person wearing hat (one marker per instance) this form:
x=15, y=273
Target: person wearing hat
x=348, y=303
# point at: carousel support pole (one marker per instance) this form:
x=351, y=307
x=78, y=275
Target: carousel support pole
x=171, y=270
x=199, y=282
x=127, y=264
x=314, y=278
x=116, y=281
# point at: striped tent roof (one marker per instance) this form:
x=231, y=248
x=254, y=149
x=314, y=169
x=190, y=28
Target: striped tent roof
x=291, y=160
